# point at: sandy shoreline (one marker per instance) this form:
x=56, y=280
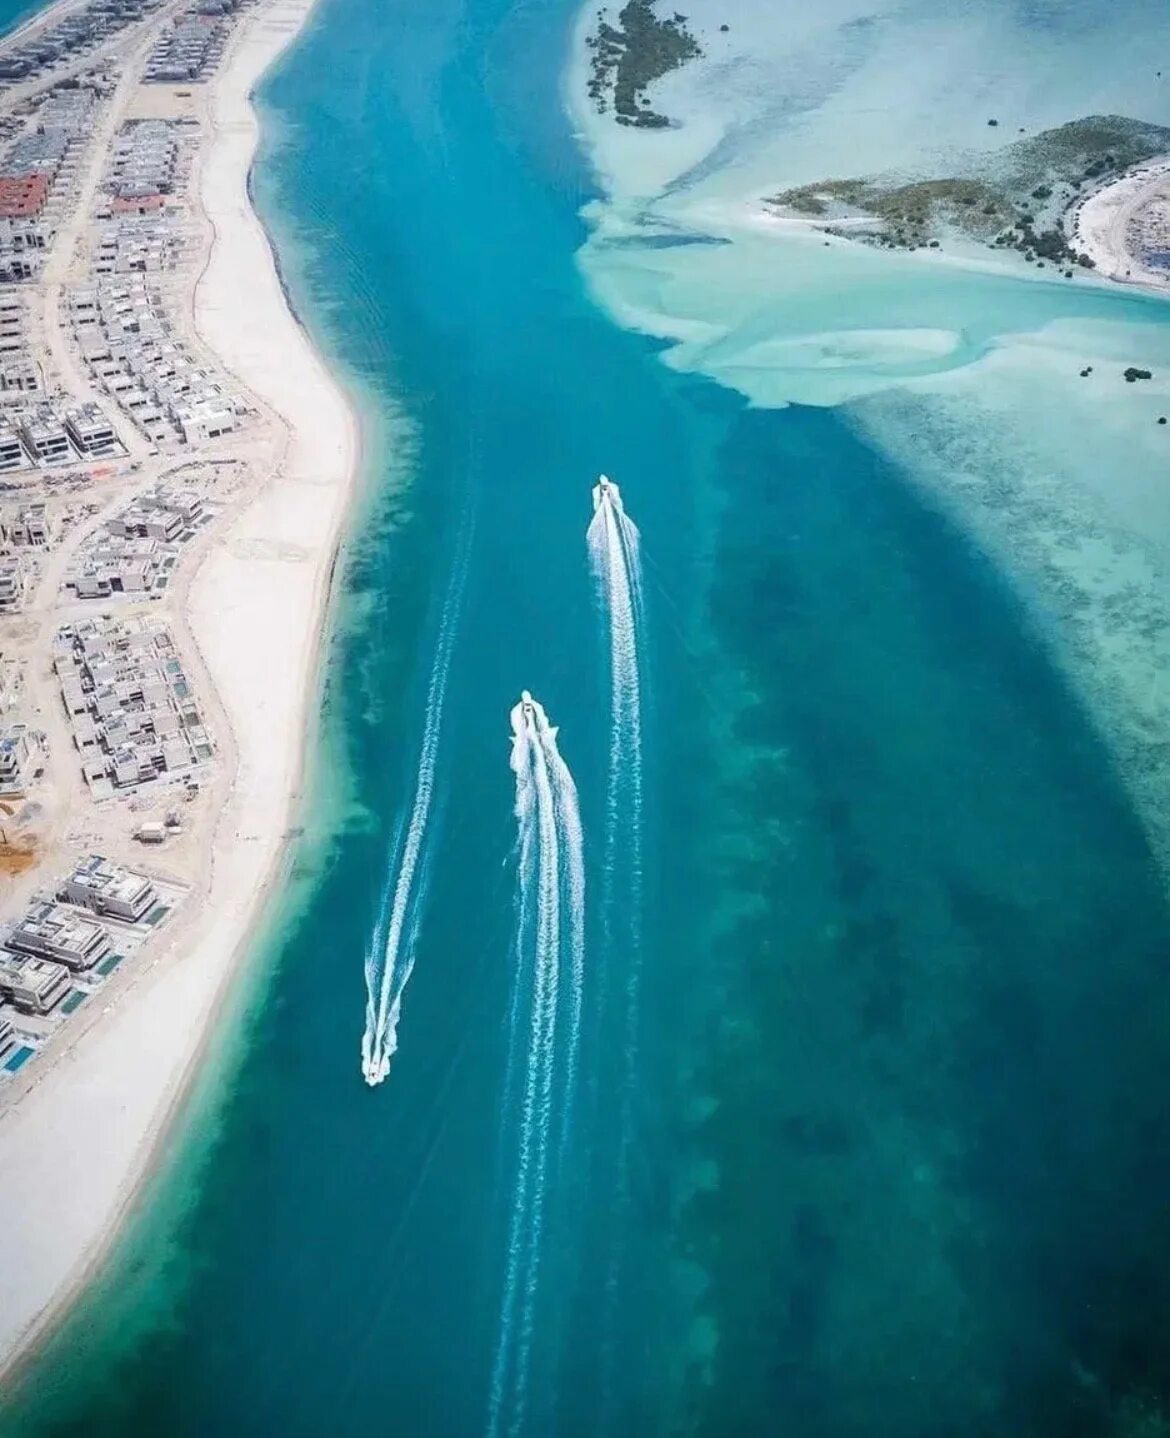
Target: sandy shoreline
x=1100, y=224
x=76, y=1149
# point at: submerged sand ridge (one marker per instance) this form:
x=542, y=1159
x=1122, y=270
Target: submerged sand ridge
x=77, y=1144
x=997, y=385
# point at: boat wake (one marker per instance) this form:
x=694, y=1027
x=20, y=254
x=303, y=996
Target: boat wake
x=614, y=557
x=390, y=957
x=550, y=880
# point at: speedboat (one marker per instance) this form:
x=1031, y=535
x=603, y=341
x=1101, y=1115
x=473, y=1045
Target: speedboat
x=603, y=489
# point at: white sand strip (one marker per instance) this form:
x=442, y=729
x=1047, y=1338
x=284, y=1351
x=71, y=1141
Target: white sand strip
x=74, y=1150
x=1103, y=225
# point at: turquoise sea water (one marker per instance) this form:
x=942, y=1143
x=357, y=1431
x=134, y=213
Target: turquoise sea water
x=16, y=12
x=895, y=1105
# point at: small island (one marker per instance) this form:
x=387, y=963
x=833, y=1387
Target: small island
x=628, y=58
x=1013, y=198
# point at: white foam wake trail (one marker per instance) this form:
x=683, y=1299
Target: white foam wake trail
x=614, y=545
x=573, y=879
x=551, y=896
x=614, y=554
x=390, y=959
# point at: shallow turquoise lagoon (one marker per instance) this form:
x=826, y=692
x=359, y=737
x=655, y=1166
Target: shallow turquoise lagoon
x=887, y=1150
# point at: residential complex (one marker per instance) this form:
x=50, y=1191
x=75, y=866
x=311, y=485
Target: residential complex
x=66, y=944
x=80, y=31
x=133, y=716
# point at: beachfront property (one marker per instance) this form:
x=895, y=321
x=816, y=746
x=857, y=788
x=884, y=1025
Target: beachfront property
x=137, y=549
x=70, y=939
x=109, y=890
x=8, y=1035
x=130, y=707
x=33, y=985
x=76, y=33
x=53, y=931
x=190, y=48
x=22, y=758
x=126, y=336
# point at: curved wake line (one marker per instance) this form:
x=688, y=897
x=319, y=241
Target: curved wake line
x=550, y=897
x=390, y=958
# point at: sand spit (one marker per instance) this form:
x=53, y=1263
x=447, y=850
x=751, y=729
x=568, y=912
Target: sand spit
x=76, y=1147
x=1120, y=223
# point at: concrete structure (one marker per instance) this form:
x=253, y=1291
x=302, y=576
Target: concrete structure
x=143, y=164
x=22, y=758
x=191, y=48
x=107, y=888
x=92, y=434
x=8, y=1035
x=35, y=986
x=12, y=455
x=111, y=565
x=13, y=585
x=11, y=683
x=45, y=437
x=133, y=716
x=27, y=527
x=51, y=931
x=77, y=32
x=126, y=335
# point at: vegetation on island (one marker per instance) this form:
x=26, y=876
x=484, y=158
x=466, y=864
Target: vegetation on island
x=628, y=58
x=1013, y=198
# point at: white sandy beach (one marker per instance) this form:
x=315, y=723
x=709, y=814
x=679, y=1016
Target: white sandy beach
x=75, y=1148
x=1101, y=223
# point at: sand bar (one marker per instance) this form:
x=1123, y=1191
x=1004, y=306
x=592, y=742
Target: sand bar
x=78, y=1144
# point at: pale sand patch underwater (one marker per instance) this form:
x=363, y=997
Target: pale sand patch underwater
x=963, y=364
x=74, y=1151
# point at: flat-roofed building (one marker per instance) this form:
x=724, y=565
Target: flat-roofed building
x=204, y=420
x=12, y=455
x=91, y=432
x=11, y=682
x=8, y=1035
x=22, y=758
x=51, y=931
x=36, y=986
x=45, y=439
x=108, y=888
x=13, y=583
